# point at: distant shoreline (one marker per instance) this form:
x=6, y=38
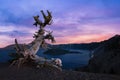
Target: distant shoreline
x=58, y=51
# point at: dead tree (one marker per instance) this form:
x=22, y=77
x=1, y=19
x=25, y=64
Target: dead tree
x=26, y=53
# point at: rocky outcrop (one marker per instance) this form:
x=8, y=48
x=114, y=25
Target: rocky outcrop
x=106, y=57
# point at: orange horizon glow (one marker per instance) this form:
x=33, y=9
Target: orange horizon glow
x=66, y=40
x=83, y=39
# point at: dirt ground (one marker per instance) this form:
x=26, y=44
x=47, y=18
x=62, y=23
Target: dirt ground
x=48, y=73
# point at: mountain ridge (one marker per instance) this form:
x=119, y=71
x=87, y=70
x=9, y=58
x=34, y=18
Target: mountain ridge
x=106, y=57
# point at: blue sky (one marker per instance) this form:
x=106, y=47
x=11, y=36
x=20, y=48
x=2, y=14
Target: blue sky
x=74, y=21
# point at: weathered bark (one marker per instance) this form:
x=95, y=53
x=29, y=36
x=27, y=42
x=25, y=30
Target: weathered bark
x=38, y=42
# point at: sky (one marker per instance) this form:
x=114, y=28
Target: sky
x=74, y=21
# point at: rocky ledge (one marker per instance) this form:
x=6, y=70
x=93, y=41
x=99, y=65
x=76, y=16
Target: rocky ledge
x=48, y=73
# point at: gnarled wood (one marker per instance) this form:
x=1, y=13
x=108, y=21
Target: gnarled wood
x=38, y=42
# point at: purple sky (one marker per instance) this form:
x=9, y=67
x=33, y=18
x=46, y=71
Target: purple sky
x=74, y=21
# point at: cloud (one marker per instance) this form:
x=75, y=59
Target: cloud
x=7, y=40
x=9, y=32
x=83, y=38
x=75, y=21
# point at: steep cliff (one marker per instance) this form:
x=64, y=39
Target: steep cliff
x=106, y=57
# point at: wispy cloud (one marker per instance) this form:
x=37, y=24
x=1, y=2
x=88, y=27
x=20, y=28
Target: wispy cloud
x=74, y=21
x=9, y=33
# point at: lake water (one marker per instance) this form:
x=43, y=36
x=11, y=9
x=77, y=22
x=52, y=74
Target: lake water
x=71, y=60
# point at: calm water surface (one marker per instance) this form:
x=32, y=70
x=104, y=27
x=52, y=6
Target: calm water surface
x=71, y=60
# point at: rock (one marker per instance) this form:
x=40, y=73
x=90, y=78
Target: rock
x=106, y=57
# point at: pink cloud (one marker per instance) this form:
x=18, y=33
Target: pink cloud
x=82, y=38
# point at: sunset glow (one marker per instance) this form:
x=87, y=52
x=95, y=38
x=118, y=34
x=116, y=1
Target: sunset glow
x=74, y=21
